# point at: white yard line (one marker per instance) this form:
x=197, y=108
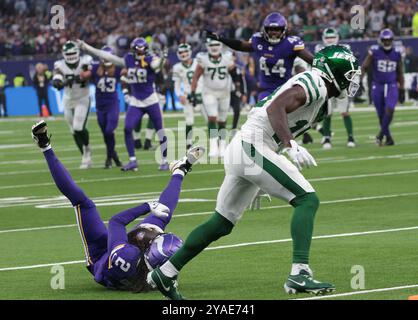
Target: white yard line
x=191, y=214
x=245, y=244
x=352, y=293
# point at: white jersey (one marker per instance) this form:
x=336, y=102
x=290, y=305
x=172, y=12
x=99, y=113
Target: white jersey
x=216, y=75
x=183, y=75
x=74, y=89
x=258, y=129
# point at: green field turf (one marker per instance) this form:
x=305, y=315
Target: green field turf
x=368, y=217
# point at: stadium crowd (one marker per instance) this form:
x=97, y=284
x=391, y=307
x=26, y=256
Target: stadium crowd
x=25, y=27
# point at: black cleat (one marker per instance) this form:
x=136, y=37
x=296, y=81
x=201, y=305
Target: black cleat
x=40, y=134
x=108, y=163
x=138, y=144
x=148, y=144
x=389, y=141
x=115, y=158
x=379, y=140
x=307, y=138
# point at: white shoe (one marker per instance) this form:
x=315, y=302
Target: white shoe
x=351, y=144
x=327, y=146
x=222, y=148
x=86, y=158
x=185, y=164
x=213, y=148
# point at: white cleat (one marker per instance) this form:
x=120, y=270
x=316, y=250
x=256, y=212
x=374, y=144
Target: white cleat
x=327, y=146
x=351, y=144
x=86, y=161
x=185, y=164
x=222, y=148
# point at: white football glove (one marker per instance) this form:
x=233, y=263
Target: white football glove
x=299, y=156
x=160, y=210
x=80, y=44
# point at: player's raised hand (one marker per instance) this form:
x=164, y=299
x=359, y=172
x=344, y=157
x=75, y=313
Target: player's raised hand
x=160, y=210
x=80, y=44
x=299, y=156
x=211, y=35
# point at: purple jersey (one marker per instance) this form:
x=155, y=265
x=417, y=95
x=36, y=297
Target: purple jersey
x=118, y=268
x=106, y=85
x=384, y=64
x=141, y=76
x=275, y=61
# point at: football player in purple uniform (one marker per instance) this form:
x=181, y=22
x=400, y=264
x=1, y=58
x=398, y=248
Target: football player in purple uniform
x=140, y=69
x=117, y=259
x=386, y=61
x=105, y=76
x=274, y=50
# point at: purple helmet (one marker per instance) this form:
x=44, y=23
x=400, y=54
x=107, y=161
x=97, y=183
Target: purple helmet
x=139, y=46
x=386, y=39
x=111, y=51
x=161, y=249
x=274, y=27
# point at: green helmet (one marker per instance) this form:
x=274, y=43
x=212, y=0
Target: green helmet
x=71, y=52
x=330, y=36
x=338, y=65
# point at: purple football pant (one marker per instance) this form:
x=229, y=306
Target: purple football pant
x=90, y=225
x=134, y=116
x=170, y=198
x=385, y=97
x=108, y=122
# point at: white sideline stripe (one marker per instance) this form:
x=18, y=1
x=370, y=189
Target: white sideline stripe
x=360, y=292
x=123, y=176
x=210, y=212
x=233, y=246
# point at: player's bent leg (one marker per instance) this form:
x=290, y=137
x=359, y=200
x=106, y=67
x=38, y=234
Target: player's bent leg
x=92, y=229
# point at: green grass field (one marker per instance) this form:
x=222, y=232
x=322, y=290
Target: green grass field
x=368, y=217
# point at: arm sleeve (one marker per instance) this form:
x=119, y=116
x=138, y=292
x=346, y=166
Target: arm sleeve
x=118, y=61
x=117, y=231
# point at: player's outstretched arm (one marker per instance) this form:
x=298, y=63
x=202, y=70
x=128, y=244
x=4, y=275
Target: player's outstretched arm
x=117, y=61
x=306, y=55
x=232, y=43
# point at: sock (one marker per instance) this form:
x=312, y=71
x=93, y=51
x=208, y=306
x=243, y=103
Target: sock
x=132, y=158
x=302, y=225
x=178, y=171
x=169, y=269
x=348, y=123
x=78, y=140
x=217, y=226
x=326, y=127
x=297, y=267
x=189, y=134
x=149, y=133
x=137, y=135
x=222, y=130
x=85, y=137
x=213, y=131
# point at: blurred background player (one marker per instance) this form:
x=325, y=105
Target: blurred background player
x=140, y=69
x=183, y=72
x=386, y=61
x=105, y=76
x=118, y=260
x=72, y=74
x=41, y=81
x=214, y=66
x=239, y=92
x=275, y=52
x=3, y=84
x=341, y=103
